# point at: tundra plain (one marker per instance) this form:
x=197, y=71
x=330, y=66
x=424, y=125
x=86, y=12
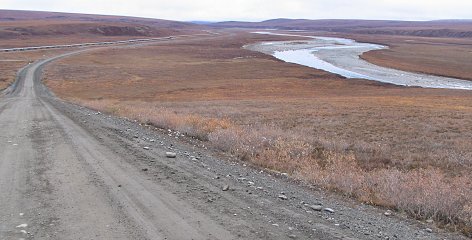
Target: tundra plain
x=407, y=149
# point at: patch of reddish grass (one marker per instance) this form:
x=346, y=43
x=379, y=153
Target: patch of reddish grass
x=189, y=124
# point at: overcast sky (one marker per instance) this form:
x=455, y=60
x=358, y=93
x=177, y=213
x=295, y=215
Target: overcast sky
x=255, y=10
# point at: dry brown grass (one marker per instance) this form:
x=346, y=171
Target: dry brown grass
x=425, y=193
x=8, y=70
x=405, y=148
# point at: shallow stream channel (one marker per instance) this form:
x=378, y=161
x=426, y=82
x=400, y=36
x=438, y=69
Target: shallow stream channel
x=342, y=56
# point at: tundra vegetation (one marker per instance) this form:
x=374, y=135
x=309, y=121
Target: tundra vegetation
x=408, y=149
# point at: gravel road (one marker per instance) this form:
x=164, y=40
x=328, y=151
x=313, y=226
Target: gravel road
x=67, y=172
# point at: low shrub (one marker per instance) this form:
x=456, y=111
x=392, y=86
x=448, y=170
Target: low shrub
x=353, y=170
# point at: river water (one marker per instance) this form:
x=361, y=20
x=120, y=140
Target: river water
x=341, y=56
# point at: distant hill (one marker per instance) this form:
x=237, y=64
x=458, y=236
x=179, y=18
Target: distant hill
x=440, y=28
x=17, y=15
x=17, y=23
x=201, y=22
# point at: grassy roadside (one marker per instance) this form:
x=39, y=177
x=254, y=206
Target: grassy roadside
x=424, y=192
x=8, y=71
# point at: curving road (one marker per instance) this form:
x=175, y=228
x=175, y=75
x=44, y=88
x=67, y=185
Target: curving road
x=67, y=172
x=47, y=162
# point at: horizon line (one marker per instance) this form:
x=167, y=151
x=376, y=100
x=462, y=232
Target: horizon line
x=243, y=20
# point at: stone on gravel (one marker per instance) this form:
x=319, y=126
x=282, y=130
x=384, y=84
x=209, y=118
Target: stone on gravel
x=146, y=148
x=429, y=230
x=283, y=197
x=225, y=188
x=316, y=207
x=330, y=210
x=388, y=213
x=171, y=154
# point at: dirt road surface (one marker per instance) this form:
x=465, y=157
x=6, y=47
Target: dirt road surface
x=67, y=172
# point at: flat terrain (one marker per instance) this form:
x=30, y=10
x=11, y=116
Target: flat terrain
x=68, y=172
x=315, y=119
x=258, y=141
x=219, y=73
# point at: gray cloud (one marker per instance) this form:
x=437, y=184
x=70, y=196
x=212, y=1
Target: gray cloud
x=257, y=9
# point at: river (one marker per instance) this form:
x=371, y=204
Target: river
x=342, y=56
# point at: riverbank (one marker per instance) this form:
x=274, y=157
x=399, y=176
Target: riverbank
x=341, y=56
